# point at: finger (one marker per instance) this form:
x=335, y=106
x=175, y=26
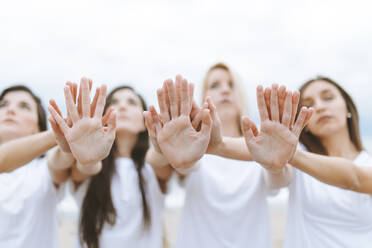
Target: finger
x=191, y=93
x=197, y=120
x=101, y=102
x=185, y=99
x=246, y=128
x=173, y=104
x=54, y=125
x=164, y=108
x=155, y=118
x=55, y=106
x=295, y=102
x=111, y=122
x=253, y=127
x=94, y=103
x=149, y=124
x=70, y=106
x=107, y=116
x=75, y=87
x=274, y=105
x=287, y=109
x=73, y=90
x=85, y=98
x=282, y=94
x=206, y=126
x=178, y=87
x=267, y=94
x=212, y=108
x=309, y=113
x=61, y=123
x=300, y=122
x=261, y=104
x=194, y=110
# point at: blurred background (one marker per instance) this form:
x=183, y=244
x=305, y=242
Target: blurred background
x=45, y=43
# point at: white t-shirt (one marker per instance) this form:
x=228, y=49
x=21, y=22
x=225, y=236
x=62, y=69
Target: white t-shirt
x=28, y=207
x=225, y=206
x=321, y=215
x=128, y=230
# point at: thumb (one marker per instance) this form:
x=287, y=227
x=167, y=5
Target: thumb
x=246, y=124
x=111, y=122
x=206, y=122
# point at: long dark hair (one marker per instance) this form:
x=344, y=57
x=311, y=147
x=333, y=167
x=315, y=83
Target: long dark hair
x=313, y=143
x=41, y=115
x=98, y=207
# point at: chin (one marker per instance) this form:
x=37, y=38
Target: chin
x=326, y=131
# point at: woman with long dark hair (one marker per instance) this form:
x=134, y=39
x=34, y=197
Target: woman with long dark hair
x=118, y=193
x=330, y=180
x=30, y=183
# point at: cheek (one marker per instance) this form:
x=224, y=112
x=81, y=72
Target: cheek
x=33, y=124
x=212, y=94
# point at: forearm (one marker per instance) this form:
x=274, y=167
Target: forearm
x=234, y=148
x=335, y=171
x=59, y=164
x=16, y=153
x=80, y=173
x=279, y=178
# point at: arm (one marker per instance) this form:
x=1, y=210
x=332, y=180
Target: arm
x=16, y=153
x=278, y=179
x=228, y=147
x=88, y=138
x=335, y=171
x=233, y=148
x=154, y=156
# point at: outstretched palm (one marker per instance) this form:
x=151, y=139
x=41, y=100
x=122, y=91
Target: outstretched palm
x=179, y=142
x=89, y=140
x=276, y=142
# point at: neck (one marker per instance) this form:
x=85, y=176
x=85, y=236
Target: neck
x=340, y=145
x=230, y=127
x=125, y=143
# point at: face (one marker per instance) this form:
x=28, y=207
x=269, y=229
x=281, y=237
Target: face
x=129, y=111
x=18, y=116
x=220, y=88
x=330, y=115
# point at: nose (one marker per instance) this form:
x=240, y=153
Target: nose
x=225, y=89
x=122, y=106
x=319, y=106
x=10, y=110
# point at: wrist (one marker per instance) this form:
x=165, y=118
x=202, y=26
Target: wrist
x=296, y=155
x=89, y=169
x=216, y=148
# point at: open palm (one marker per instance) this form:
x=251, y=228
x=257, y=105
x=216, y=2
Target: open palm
x=178, y=141
x=88, y=138
x=275, y=144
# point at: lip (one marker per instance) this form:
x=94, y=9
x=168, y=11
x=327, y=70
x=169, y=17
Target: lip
x=122, y=117
x=225, y=101
x=324, y=118
x=9, y=120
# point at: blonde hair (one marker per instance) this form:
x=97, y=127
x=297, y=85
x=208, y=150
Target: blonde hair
x=238, y=87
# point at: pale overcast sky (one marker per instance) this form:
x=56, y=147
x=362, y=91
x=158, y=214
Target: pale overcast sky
x=44, y=43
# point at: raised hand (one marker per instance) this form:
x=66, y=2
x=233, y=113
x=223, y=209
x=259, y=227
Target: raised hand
x=88, y=138
x=275, y=144
x=179, y=142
